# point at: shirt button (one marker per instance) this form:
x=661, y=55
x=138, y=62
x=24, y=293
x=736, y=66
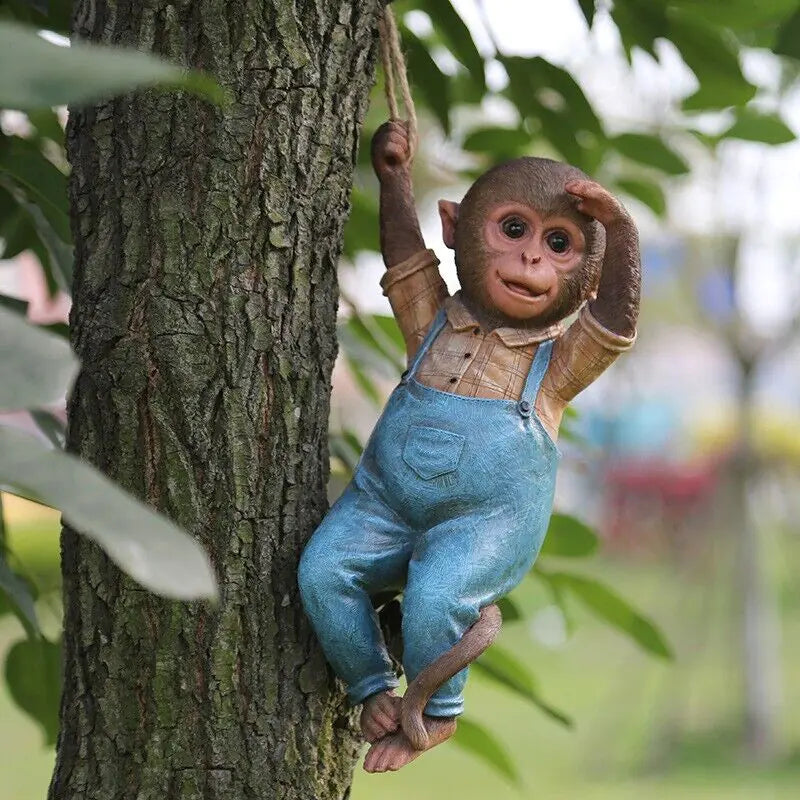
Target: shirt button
x=476, y=331
x=467, y=355
x=453, y=380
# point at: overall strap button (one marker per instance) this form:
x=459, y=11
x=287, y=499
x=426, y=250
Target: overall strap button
x=524, y=408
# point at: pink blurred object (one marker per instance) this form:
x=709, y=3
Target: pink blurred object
x=42, y=309
x=30, y=285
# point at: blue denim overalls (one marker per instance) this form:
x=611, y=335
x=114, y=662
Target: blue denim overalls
x=453, y=495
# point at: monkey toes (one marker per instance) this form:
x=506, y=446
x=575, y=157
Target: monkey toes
x=380, y=715
x=395, y=751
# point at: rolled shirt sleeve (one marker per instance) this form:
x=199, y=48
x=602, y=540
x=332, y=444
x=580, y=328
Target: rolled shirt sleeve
x=579, y=357
x=583, y=353
x=416, y=292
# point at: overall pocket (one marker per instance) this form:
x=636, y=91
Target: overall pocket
x=431, y=452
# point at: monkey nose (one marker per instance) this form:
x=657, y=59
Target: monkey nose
x=529, y=258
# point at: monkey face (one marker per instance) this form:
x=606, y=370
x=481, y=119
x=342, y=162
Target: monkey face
x=528, y=257
x=525, y=256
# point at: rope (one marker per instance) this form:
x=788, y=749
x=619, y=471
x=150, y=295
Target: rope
x=394, y=71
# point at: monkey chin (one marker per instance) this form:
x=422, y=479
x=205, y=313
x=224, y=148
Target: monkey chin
x=395, y=750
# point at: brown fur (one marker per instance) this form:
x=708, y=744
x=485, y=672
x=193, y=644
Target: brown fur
x=474, y=641
x=539, y=183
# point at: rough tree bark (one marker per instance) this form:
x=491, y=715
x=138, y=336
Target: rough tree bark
x=204, y=314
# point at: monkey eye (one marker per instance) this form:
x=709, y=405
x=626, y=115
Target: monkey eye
x=558, y=241
x=514, y=227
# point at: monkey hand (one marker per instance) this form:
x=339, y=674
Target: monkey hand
x=597, y=202
x=391, y=150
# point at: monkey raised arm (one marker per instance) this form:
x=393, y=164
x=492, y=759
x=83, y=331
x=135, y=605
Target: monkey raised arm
x=616, y=306
x=401, y=237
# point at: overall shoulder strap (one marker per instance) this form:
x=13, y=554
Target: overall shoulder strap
x=541, y=361
x=436, y=326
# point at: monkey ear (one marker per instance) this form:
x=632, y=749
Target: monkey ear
x=448, y=211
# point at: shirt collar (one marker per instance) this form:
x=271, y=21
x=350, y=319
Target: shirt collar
x=461, y=319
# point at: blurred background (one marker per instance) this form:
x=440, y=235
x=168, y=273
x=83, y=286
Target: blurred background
x=683, y=461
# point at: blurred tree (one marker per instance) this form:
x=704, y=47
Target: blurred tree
x=751, y=349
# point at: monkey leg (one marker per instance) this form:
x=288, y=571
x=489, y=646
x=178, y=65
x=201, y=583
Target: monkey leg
x=358, y=550
x=474, y=641
x=458, y=570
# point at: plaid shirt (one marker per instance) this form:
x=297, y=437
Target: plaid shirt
x=466, y=360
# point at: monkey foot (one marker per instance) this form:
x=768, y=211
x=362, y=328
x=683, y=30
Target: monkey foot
x=395, y=750
x=380, y=715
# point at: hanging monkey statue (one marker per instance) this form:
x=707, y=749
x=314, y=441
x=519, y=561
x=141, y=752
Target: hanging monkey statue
x=453, y=494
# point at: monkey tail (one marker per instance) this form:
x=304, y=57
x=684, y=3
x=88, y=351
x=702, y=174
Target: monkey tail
x=474, y=641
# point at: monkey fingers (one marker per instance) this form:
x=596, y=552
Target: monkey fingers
x=596, y=201
x=390, y=146
x=380, y=715
x=395, y=751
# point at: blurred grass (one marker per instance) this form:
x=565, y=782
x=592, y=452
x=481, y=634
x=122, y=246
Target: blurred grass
x=644, y=728
x=25, y=764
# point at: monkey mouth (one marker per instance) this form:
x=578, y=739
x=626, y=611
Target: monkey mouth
x=522, y=290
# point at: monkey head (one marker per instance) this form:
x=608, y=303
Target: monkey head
x=525, y=256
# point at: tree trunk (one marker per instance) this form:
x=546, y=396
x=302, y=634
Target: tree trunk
x=204, y=314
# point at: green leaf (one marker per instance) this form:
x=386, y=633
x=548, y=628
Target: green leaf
x=457, y=37
x=19, y=307
x=24, y=227
x=47, y=124
x=51, y=427
x=375, y=333
x=19, y=593
x=429, y=83
x=16, y=230
x=361, y=231
x=33, y=676
x=640, y=23
x=536, y=82
x=500, y=143
x=365, y=343
x=146, y=545
x=646, y=192
x=607, y=605
x=506, y=669
x=557, y=108
x=35, y=73
x=787, y=40
x=755, y=127
x=24, y=165
x=739, y=15
x=52, y=15
x=477, y=740
x=712, y=54
x=558, y=594
x=568, y=537
x=36, y=367
x=59, y=261
x=509, y=609
x=392, y=336
x=650, y=150
x=464, y=90
x=341, y=447
x=351, y=437
x=588, y=9
x=364, y=382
